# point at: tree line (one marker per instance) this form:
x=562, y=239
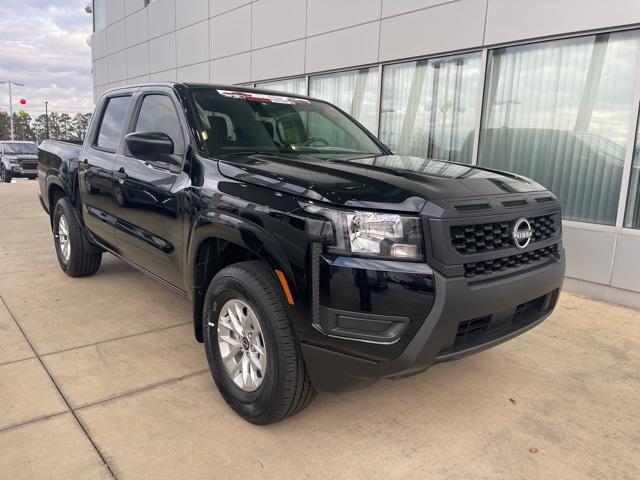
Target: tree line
x=62, y=126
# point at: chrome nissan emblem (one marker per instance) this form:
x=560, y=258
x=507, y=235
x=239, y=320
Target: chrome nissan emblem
x=522, y=233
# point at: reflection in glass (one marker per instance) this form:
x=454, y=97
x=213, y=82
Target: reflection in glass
x=632, y=219
x=559, y=112
x=297, y=86
x=355, y=92
x=429, y=107
x=99, y=15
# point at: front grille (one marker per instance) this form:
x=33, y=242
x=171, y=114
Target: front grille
x=29, y=165
x=486, y=237
x=504, y=263
x=471, y=330
x=481, y=330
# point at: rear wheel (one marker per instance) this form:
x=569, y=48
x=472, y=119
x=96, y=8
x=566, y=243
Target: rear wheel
x=73, y=258
x=251, y=348
x=5, y=175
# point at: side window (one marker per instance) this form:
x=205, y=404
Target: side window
x=112, y=121
x=158, y=114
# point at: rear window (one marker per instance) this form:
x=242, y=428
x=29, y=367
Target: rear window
x=112, y=122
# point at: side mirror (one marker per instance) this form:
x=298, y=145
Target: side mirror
x=150, y=146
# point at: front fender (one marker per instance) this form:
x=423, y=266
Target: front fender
x=239, y=231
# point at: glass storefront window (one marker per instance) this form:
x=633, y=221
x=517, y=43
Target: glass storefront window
x=632, y=219
x=559, y=112
x=429, y=107
x=355, y=92
x=99, y=15
x=297, y=86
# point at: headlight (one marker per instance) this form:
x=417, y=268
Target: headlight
x=13, y=160
x=372, y=234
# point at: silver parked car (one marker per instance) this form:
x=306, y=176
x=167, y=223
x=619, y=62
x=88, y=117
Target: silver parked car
x=18, y=159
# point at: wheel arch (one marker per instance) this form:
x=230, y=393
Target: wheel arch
x=220, y=240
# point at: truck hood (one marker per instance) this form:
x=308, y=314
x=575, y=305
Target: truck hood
x=388, y=182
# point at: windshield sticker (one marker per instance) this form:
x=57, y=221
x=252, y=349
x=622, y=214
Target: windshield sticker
x=263, y=98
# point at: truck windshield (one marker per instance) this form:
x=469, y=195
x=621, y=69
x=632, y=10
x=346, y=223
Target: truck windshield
x=242, y=122
x=21, y=148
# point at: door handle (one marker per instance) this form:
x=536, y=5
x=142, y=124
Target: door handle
x=121, y=174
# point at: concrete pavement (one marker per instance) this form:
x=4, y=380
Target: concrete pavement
x=101, y=378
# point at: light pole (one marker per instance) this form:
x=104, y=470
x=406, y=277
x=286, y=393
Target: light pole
x=11, y=82
x=46, y=118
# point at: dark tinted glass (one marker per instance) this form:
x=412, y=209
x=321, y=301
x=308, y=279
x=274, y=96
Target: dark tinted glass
x=111, y=124
x=159, y=115
x=234, y=121
x=23, y=148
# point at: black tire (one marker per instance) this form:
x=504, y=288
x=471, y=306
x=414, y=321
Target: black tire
x=286, y=388
x=5, y=174
x=80, y=262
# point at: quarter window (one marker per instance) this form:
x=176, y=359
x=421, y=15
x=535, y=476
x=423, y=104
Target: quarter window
x=112, y=122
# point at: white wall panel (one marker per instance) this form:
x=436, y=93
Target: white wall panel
x=626, y=265
x=231, y=32
x=589, y=253
x=138, y=60
x=193, y=44
x=395, y=7
x=216, y=7
x=452, y=26
x=114, y=11
x=166, y=76
x=282, y=60
x=194, y=73
x=277, y=21
x=326, y=15
x=100, y=72
x=116, y=37
x=99, y=44
x=342, y=48
x=510, y=20
x=191, y=11
x=162, y=17
x=138, y=80
x=117, y=67
x=131, y=6
x=162, y=53
x=136, y=28
x=231, y=70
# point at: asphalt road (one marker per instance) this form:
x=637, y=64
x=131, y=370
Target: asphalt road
x=101, y=378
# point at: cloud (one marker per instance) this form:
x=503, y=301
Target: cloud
x=43, y=44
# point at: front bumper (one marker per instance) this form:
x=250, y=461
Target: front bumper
x=466, y=317
x=19, y=170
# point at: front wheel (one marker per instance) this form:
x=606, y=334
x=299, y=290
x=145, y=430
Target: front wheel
x=251, y=348
x=5, y=175
x=73, y=258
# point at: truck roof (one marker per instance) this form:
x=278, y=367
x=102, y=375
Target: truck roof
x=195, y=84
x=16, y=141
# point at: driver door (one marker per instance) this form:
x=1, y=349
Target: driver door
x=150, y=196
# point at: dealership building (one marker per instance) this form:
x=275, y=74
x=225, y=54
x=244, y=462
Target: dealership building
x=549, y=89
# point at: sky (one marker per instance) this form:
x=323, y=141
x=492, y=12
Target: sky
x=43, y=44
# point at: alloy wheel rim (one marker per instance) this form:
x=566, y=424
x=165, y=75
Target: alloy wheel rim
x=63, y=238
x=242, y=345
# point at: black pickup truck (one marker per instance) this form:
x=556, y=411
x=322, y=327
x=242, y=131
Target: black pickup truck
x=314, y=257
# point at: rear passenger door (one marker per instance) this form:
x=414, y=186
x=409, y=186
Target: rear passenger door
x=150, y=196
x=96, y=168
